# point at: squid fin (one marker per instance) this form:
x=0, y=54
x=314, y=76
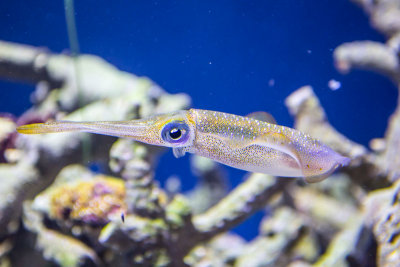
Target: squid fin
x=281, y=143
x=319, y=178
x=274, y=140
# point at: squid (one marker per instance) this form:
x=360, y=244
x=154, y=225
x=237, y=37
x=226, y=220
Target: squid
x=245, y=143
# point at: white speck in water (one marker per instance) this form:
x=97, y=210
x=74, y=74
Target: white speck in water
x=271, y=82
x=334, y=85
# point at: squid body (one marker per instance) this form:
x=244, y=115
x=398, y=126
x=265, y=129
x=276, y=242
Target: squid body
x=240, y=142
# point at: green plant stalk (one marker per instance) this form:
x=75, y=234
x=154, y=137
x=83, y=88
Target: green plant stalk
x=74, y=47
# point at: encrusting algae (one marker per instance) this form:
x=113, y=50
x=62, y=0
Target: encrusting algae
x=92, y=202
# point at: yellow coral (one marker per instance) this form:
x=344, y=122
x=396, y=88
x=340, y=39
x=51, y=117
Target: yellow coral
x=94, y=201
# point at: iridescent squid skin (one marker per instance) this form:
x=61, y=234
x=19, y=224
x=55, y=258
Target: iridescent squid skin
x=240, y=142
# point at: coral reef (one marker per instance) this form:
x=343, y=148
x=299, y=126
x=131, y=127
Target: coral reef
x=55, y=210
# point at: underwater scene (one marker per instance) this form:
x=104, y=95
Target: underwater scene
x=200, y=133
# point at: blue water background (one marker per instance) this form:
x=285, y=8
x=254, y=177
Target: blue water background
x=222, y=53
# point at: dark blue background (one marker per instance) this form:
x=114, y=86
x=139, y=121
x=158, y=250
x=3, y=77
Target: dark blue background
x=222, y=53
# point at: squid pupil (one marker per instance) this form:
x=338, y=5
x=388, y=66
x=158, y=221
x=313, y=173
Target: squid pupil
x=175, y=133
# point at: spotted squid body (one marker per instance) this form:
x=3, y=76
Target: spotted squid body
x=240, y=142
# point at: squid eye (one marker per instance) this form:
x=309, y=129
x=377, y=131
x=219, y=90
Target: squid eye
x=175, y=132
